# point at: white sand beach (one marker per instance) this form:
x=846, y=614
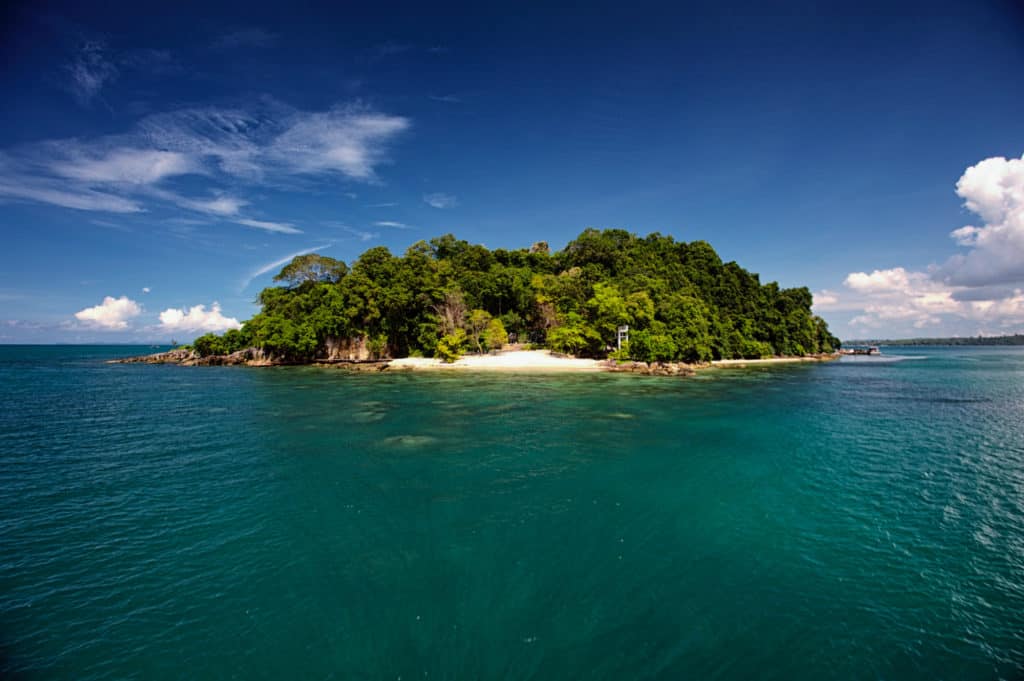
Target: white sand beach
x=521, y=360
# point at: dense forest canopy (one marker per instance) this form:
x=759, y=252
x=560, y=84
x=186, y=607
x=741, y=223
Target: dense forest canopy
x=447, y=296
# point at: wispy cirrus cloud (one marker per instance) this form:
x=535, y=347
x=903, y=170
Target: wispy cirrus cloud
x=271, y=139
x=362, y=235
x=440, y=200
x=42, y=190
x=89, y=70
x=392, y=224
x=346, y=140
x=221, y=205
x=93, y=66
x=268, y=226
x=119, y=165
x=264, y=144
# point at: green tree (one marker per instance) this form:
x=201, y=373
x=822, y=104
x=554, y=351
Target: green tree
x=451, y=346
x=476, y=324
x=495, y=335
x=608, y=310
x=312, y=268
x=574, y=336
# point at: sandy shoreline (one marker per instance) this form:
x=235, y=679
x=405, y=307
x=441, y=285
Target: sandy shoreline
x=770, y=360
x=522, y=360
x=544, y=360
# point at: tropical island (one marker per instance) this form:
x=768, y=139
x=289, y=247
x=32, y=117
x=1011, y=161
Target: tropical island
x=447, y=298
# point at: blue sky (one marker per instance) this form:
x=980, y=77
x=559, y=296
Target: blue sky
x=158, y=164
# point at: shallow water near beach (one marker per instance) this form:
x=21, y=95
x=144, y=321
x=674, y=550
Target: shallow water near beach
x=855, y=519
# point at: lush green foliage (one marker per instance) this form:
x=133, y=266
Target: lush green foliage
x=451, y=346
x=212, y=344
x=681, y=302
x=312, y=268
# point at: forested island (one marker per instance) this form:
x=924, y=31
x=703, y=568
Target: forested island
x=1015, y=339
x=447, y=297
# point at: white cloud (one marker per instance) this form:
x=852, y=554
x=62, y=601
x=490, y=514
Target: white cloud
x=898, y=295
x=439, y=200
x=279, y=227
x=222, y=205
x=267, y=143
x=360, y=234
x=42, y=191
x=197, y=318
x=145, y=289
x=974, y=292
x=825, y=299
x=994, y=189
x=347, y=140
x=391, y=223
x=898, y=303
x=112, y=314
x=126, y=165
x=896, y=279
x=230, y=138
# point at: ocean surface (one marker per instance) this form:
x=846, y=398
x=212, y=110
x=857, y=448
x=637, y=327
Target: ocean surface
x=854, y=520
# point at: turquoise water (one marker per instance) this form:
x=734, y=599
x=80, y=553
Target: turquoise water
x=861, y=519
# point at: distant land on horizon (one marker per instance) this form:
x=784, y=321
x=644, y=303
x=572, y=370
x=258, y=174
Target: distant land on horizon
x=1015, y=339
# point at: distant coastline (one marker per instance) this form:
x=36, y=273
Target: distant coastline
x=1016, y=339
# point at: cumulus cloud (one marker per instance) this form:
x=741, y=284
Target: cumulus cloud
x=994, y=190
x=825, y=299
x=900, y=295
x=145, y=289
x=266, y=143
x=439, y=200
x=112, y=314
x=197, y=318
x=979, y=291
x=898, y=301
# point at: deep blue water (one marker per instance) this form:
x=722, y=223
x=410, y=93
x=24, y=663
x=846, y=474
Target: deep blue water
x=859, y=519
